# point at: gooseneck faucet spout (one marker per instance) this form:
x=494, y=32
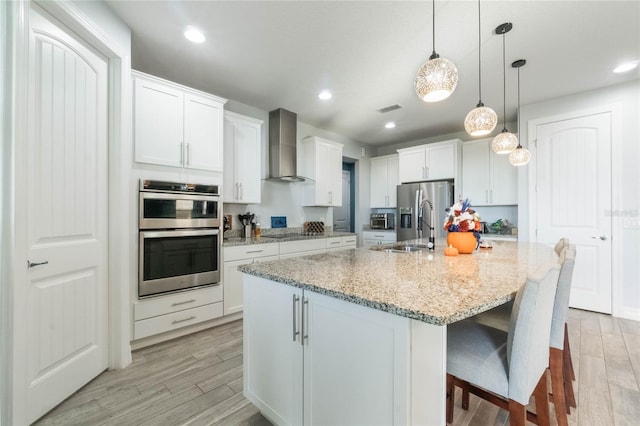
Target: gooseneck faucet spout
x=432, y=219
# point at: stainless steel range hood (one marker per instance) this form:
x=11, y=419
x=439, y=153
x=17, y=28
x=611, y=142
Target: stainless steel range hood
x=282, y=146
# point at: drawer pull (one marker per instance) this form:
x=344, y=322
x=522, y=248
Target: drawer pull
x=192, y=317
x=254, y=251
x=335, y=242
x=183, y=303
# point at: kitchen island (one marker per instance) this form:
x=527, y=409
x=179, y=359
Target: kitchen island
x=359, y=336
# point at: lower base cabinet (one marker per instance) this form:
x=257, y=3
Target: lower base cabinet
x=307, y=356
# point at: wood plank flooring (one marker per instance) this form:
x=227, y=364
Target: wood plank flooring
x=197, y=380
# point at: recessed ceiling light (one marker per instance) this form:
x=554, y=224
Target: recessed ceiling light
x=194, y=35
x=325, y=95
x=390, y=125
x=627, y=66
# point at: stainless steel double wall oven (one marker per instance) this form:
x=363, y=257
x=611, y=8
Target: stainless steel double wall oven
x=179, y=226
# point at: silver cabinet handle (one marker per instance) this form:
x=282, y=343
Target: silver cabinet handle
x=188, y=154
x=602, y=237
x=241, y=192
x=32, y=264
x=294, y=322
x=183, y=303
x=192, y=317
x=254, y=251
x=304, y=323
x=182, y=153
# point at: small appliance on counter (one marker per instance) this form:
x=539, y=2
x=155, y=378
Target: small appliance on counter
x=247, y=224
x=382, y=221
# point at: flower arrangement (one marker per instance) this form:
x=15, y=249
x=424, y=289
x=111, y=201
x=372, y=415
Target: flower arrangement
x=461, y=218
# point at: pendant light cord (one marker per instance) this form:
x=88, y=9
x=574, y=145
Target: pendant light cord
x=433, y=27
x=479, y=59
x=519, y=136
x=504, y=84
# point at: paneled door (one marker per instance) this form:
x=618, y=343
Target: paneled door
x=342, y=213
x=573, y=199
x=66, y=223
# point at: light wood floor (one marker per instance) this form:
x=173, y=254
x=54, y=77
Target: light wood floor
x=197, y=380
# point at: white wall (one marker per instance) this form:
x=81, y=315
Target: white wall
x=625, y=191
x=285, y=199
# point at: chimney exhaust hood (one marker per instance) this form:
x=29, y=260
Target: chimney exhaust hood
x=283, y=127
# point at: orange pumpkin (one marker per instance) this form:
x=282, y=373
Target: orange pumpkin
x=451, y=251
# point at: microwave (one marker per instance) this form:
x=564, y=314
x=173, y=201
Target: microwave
x=382, y=221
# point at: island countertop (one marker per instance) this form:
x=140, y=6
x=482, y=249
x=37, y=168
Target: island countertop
x=426, y=286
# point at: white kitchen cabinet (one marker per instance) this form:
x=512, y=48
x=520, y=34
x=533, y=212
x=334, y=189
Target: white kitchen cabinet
x=306, y=355
x=232, y=278
x=383, y=182
x=435, y=161
x=175, y=125
x=487, y=178
x=321, y=162
x=242, y=155
x=299, y=248
x=341, y=243
x=374, y=238
x=165, y=313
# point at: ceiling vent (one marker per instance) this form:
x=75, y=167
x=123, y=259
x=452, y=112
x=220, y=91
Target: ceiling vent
x=389, y=108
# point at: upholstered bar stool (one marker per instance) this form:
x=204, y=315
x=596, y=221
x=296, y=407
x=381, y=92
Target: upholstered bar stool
x=559, y=353
x=506, y=368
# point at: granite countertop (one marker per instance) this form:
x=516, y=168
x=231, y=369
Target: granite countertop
x=281, y=237
x=426, y=286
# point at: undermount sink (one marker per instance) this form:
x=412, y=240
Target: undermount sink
x=408, y=248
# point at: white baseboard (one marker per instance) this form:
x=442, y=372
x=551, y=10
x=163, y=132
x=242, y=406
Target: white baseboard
x=628, y=313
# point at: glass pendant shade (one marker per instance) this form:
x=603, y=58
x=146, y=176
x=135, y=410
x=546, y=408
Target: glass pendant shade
x=519, y=156
x=436, y=79
x=480, y=121
x=504, y=142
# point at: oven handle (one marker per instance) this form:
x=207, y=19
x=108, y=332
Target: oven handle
x=178, y=196
x=179, y=233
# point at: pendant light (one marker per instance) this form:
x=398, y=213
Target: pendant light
x=438, y=77
x=481, y=120
x=505, y=141
x=519, y=156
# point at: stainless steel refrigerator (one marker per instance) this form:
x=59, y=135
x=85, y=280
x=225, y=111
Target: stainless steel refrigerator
x=422, y=209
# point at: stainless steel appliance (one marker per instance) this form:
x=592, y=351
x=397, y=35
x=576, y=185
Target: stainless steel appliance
x=421, y=209
x=179, y=237
x=382, y=221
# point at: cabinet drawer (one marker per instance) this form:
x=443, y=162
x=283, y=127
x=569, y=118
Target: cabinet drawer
x=176, y=302
x=349, y=242
x=379, y=236
x=249, y=251
x=168, y=322
x=335, y=242
x=303, y=245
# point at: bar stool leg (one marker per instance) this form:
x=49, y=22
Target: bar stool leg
x=558, y=382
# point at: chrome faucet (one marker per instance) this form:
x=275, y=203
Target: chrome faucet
x=432, y=219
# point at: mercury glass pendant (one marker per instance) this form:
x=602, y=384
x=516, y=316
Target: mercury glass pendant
x=481, y=120
x=437, y=78
x=505, y=141
x=519, y=156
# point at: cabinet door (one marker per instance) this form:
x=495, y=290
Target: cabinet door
x=392, y=180
x=203, y=121
x=247, y=149
x=475, y=172
x=353, y=350
x=272, y=351
x=158, y=130
x=378, y=183
x=411, y=165
x=441, y=162
x=232, y=282
x=504, y=180
x=230, y=188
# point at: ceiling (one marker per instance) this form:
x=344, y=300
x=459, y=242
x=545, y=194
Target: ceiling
x=271, y=54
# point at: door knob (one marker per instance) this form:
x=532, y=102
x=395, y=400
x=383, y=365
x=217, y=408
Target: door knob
x=602, y=237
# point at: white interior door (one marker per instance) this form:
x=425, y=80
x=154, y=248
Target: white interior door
x=66, y=224
x=573, y=199
x=342, y=214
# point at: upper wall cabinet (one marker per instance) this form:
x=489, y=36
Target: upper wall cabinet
x=384, y=179
x=434, y=161
x=175, y=125
x=487, y=178
x=242, y=148
x=321, y=162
